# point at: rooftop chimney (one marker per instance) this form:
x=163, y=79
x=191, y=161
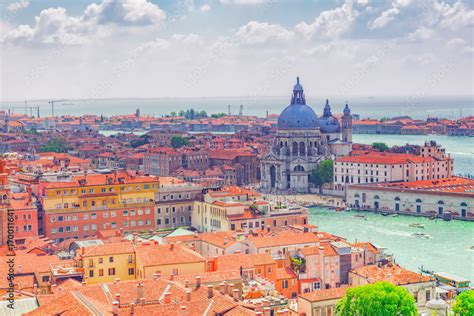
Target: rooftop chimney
x=167, y=297
x=117, y=299
x=266, y=311
x=235, y=294
x=198, y=281
x=115, y=308
x=210, y=292
x=132, y=309
x=188, y=295
x=156, y=276
x=186, y=283
x=171, y=247
x=222, y=288
x=139, y=291
x=172, y=276
x=230, y=289
x=142, y=301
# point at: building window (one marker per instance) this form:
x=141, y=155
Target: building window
x=111, y=271
x=284, y=284
x=131, y=271
x=101, y=272
x=91, y=273
x=111, y=259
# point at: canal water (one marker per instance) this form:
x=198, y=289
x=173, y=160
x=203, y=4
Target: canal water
x=446, y=250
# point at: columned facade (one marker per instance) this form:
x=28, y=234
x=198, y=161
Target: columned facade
x=300, y=143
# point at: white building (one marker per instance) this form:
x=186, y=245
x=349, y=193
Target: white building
x=375, y=167
x=423, y=197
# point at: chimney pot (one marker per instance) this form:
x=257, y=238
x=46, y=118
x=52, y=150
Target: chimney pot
x=117, y=298
x=198, y=281
x=235, y=294
x=115, y=308
x=210, y=292
x=139, y=291
x=167, y=297
x=222, y=288
x=142, y=301
x=188, y=295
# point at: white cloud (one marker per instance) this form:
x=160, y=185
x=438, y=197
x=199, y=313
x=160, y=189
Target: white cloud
x=456, y=42
x=54, y=25
x=205, y=8
x=18, y=6
x=262, y=32
x=421, y=33
x=188, y=39
x=331, y=23
x=390, y=14
x=244, y=2
x=452, y=17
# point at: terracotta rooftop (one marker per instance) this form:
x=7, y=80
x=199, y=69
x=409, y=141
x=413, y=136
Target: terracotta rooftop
x=445, y=185
x=390, y=273
x=324, y=295
x=154, y=255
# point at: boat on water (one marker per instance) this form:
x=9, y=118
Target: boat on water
x=360, y=216
x=339, y=209
x=385, y=214
x=416, y=225
x=460, y=283
x=421, y=235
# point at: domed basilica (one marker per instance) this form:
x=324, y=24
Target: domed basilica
x=302, y=141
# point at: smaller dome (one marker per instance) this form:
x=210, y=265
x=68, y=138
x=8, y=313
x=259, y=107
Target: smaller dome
x=329, y=124
x=298, y=86
x=347, y=110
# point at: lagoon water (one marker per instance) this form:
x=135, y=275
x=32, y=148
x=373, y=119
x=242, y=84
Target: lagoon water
x=374, y=107
x=447, y=249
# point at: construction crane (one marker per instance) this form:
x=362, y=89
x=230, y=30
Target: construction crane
x=26, y=110
x=52, y=105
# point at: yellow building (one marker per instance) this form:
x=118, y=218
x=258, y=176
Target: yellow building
x=173, y=259
x=87, y=203
x=105, y=263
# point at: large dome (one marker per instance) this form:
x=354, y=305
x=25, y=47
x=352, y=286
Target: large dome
x=298, y=115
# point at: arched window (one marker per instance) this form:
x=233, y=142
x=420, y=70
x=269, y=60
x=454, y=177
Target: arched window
x=376, y=202
x=298, y=168
x=356, y=200
x=418, y=205
x=440, y=207
x=295, y=148
x=463, y=209
x=302, y=148
x=397, y=204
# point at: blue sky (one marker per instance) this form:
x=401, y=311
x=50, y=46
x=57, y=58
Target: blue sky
x=208, y=48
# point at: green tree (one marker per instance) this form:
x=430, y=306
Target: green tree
x=378, y=299
x=322, y=174
x=217, y=115
x=464, y=305
x=173, y=114
x=56, y=145
x=380, y=146
x=142, y=140
x=178, y=141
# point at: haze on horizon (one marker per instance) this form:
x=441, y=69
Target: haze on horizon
x=92, y=49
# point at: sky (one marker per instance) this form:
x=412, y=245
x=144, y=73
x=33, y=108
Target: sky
x=216, y=48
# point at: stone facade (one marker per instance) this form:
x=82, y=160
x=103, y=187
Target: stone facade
x=301, y=142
